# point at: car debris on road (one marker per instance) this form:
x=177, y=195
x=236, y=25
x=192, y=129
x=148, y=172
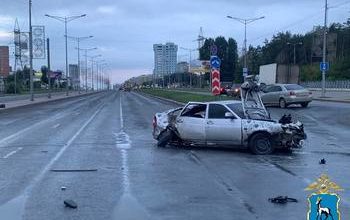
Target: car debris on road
x=244, y=123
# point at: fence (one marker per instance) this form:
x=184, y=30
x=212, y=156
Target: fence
x=337, y=84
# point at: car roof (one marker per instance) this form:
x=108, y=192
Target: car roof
x=224, y=102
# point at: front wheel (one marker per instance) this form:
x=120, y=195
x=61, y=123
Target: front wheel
x=164, y=138
x=261, y=144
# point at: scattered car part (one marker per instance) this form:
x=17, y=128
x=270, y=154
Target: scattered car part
x=2, y=105
x=63, y=188
x=282, y=199
x=70, y=204
x=322, y=161
x=73, y=170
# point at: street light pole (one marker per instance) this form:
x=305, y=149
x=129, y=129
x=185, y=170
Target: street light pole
x=31, y=53
x=78, y=40
x=86, y=64
x=245, y=21
x=294, y=50
x=65, y=20
x=189, y=63
x=92, y=70
x=324, y=49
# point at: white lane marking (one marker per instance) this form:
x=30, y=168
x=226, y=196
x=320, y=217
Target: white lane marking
x=123, y=143
x=56, y=126
x=121, y=113
x=6, y=140
x=62, y=150
x=12, y=153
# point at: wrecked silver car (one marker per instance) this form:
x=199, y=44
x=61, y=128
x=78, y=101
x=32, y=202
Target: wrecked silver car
x=244, y=123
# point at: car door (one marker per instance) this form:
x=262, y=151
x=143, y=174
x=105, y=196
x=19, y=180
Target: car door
x=221, y=130
x=276, y=94
x=266, y=96
x=190, y=123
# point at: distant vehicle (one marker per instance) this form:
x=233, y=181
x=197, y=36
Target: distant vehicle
x=278, y=73
x=283, y=95
x=228, y=123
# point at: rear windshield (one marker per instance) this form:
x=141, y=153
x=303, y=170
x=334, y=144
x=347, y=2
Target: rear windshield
x=293, y=87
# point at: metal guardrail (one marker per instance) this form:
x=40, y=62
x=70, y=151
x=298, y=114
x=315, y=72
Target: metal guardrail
x=337, y=84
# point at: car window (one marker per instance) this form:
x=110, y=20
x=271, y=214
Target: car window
x=275, y=89
x=217, y=111
x=268, y=89
x=293, y=87
x=194, y=110
x=237, y=108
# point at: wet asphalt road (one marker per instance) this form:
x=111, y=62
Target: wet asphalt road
x=106, y=137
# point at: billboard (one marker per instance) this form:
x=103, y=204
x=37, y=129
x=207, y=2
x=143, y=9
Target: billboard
x=38, y=32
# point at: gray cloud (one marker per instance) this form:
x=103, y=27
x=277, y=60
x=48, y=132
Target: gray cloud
x=125, y=30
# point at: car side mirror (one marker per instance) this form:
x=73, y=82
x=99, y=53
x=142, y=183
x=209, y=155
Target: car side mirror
x=229, y=115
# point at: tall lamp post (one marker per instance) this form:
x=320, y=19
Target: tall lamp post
x=245, y=21
x=92, y=69
x=101, y=64
x=189, y=63
x=294, y=50
x=78, y=39
x=324, y=49
x=86, y=64
x=65, y=20
x=31, y=53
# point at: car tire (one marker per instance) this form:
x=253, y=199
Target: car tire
x=282, y=103
x=304, y=104
x=164, y=138
x=261, y=144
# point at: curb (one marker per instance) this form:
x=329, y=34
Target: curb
x=330, y=100
x=161, y=98
x=47, y=101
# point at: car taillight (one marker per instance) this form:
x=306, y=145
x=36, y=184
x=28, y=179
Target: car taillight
x=292, y=93
x=154, y=122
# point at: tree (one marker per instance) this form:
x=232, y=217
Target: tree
x=44, y=77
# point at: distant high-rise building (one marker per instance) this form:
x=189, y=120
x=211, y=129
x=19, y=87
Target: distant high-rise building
x=74, y=75
x=4, y=61
x=165, y=59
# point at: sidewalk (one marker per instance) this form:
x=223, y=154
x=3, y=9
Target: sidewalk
x=331, y=95
x=17, y=102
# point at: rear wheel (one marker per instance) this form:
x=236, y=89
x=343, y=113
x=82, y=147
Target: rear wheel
x=164, y=138
x=282, y=103
x=304, y=104
x=260, y=143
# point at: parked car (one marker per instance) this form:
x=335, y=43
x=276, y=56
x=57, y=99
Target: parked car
x=231, y=123
x=286, y=94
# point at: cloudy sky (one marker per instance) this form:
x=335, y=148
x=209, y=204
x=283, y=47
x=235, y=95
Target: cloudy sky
x=125, y=30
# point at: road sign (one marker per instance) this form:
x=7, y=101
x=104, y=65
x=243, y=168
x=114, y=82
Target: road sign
x=215, y=62
x=215, y=82
x=245, y=71
x=324, y=66
x=213, y=50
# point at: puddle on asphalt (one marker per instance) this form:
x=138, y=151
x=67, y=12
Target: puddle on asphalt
x=13, y=209
x=129, y=208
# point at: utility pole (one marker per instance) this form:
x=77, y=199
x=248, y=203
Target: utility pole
x=245, y=21
x=92, y=70
x=31, y=53
x=65, y=20
x=324, y=49
x=48, y=66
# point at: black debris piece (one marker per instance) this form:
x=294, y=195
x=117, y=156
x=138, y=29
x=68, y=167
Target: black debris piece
x=70, y=204
x=73, y=170
x=282, y=199
x=285, y=119
x=63, y=188
x=2, y=105
x=322, y=161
